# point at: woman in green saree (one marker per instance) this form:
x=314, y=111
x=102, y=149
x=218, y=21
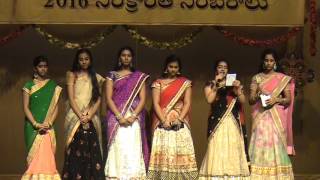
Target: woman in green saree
x=40, y=98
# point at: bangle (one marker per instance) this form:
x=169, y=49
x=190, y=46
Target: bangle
x=134, y=114
x=35, y=124
x=119, y=116
x=280, y=100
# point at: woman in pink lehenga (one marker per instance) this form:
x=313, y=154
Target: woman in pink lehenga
x=271, y=140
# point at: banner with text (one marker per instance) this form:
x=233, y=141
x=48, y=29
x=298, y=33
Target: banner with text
x=154, y=12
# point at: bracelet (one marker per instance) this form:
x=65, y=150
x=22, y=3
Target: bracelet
x=134, y=114
x=119, y=116
x=35, y=124
x=280, y=100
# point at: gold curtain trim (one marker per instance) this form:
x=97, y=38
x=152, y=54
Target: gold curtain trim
x=171, y=45
x=75, y=45
x=284, y=81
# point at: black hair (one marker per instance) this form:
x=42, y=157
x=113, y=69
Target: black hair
x=274, y=54
x=216, y=64
x=171, y=58
x=37, y=60
x=76, y=68
x=117, y=66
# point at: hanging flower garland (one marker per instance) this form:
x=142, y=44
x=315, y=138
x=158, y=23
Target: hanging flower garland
x=313, y=27
x=74, y=45
x=256, y=42
x=165, y=44
x=12, y=35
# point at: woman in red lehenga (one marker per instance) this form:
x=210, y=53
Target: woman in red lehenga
x=172, y=154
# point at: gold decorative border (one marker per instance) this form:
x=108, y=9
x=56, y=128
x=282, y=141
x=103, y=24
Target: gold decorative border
x=74, y=45
x=41, y=177
x=177, y=96
x=38, y=86
x=233, y=102
x=272, y=171
x=69, y=138
x=26, y=90
x=138, y=90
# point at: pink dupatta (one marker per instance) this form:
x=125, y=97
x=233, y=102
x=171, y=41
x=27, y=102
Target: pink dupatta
x=282, y=116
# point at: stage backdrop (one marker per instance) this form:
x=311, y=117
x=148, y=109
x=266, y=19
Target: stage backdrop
x=197, y=58
x=187, y=12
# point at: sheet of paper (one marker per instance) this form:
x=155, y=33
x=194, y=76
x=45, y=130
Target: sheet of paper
x=230, y=78
x=264, y=98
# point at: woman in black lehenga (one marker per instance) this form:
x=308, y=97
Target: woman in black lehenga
x=226, y=156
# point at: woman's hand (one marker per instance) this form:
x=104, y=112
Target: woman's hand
x=166, y=124
x=176, y=122
x=46, y=125
x=131, y=119
x=271, y=101
x=84, y=119
x=124, y=122
x=237, y=87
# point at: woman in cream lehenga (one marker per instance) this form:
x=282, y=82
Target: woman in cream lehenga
x=40, y=99
x=83, y=155
x=226, y=156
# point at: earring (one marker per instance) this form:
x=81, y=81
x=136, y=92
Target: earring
x=35, y=76
x=165, y=72
x=119, y=63
x=178, y=73
x=131, y=64
x=275, y=67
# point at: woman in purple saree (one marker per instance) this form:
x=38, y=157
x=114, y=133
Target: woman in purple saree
x=127, y=143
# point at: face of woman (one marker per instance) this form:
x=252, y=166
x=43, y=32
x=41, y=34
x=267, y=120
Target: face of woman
x=125, y=58
x=222, y=69
x=84, y=61
x=41, y=69
x=173, y=69
x=269, y=62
